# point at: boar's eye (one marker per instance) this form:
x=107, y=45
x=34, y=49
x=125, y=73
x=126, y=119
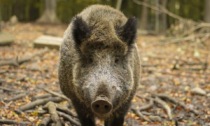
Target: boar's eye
x=117, y=60
x=86, y=60
x=89, y=60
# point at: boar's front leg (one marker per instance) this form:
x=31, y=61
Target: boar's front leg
x=85, y=116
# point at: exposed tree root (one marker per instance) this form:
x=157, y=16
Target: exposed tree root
x=53, y=113
x=174, y=101
x=137, y=112
x=60, y=114
x=148, y=106
x=45, y=122
x=165, y=106
x=161, y=100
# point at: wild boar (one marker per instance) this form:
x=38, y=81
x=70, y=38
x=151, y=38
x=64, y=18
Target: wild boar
x=99, y=66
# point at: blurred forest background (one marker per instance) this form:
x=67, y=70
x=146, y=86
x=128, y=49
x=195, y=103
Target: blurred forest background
x=174, y=45
x=32, y=10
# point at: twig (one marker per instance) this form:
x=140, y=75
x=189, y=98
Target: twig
x=187, y=38
x=45, y=121
x=41, y=96
x=40, y=112
x=155, y=118
x=69, y=118
x=7, y=121
x=18, y=61
x=16, y=97
x=198, y=26
x=56, y=94
x=3, y=71
x=8, y=89
x=165, y=106
x=160, y=9
x=39, y=102
x=53, y=113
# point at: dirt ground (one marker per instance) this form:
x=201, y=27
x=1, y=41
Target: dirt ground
x=177, y=70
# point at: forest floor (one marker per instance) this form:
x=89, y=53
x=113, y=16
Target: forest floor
x=175, y=80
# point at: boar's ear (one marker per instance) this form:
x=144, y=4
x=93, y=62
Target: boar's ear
x=128, y=32
x=80, y=30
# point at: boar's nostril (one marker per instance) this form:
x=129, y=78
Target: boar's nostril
x=97, y=106
x=101, y=106
x=106, y=107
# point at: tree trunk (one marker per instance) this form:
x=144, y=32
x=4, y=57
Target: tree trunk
x=157, y=18
x=49, y=15
x=144, y=17
x=163, y=16
x=119, y=3
x=207, y=11
x=0, y=20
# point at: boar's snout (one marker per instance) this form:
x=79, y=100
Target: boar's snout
x=101, y=105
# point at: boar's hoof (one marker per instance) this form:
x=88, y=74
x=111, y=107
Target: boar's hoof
x=101, y=105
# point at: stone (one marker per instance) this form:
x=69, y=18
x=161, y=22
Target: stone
x=6, y=39
x=48, y=41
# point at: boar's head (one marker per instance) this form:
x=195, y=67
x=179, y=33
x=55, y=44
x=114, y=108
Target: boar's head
x=104, y=72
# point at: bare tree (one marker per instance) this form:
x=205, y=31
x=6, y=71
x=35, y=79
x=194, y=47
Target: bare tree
x=0, y=20
x=144, y=17
x=119, y=4
x=157, y=17
x=207, y=11
x=163, y=16
x=49, y=15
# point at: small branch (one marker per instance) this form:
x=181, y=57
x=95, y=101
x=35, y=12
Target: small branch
x=193, y=29
x=19, y=96
x=39, y=102
x=56, y=94
x=8, y=89
x=40, y=112
x=41, y=96
x=187, y=38
x=160, y=9
x=6, y=121
x=18, y=61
